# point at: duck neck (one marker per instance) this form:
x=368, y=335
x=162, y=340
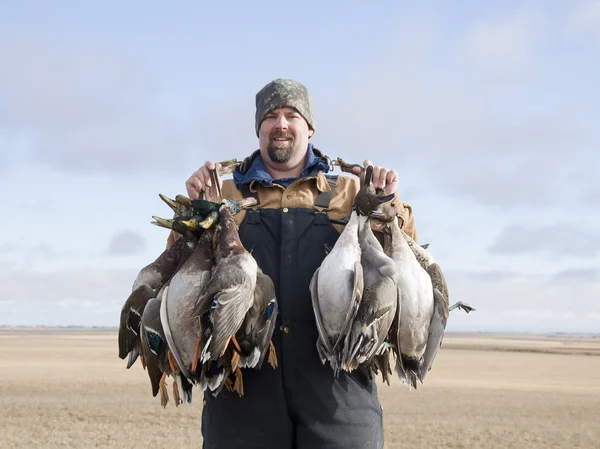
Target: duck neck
x=227, y=240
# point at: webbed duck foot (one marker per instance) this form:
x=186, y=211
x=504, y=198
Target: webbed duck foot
x=229, y=384
x=461, y=305
x=164, y=395
x=239, y=383
x=235, y=360
x=196, y=354
x=172, y=363
x=176, y=395
x=272, y=359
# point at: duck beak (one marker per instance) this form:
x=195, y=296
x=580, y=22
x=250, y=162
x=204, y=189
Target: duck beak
x=248, y=202
x=385, y=198
x=192, y=223
x=209, y=221
x=183, y=200
x=163, y=223
x=171, y=203
x=368, y=175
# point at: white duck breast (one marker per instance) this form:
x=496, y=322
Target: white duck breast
x=416, y=307
x=378, y=306
x=336, y=290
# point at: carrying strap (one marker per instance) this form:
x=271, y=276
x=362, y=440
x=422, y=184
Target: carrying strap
x=324, y=198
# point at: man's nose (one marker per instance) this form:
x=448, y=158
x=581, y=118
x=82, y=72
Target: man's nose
x=281, y=122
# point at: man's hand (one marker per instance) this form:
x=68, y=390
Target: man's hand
x=383, y=178
x=201, y=179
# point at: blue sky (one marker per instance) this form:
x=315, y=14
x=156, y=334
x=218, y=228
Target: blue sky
x=487, y=110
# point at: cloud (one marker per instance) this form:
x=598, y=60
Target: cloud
x=558, y=240
x=422, y=105
x=505, y=46
x=495, y=275
x=577, y=275
x=126, y=243
x=531, y=303
x=585, y=18
x=95, y=284
x=85, y=108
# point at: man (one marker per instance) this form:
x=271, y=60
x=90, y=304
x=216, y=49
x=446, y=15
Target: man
x=300, y=216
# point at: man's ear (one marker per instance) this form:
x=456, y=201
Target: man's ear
x=310, y=132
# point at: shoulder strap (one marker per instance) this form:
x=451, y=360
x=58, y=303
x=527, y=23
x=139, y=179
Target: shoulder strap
x=324, y=198
x=247, y=193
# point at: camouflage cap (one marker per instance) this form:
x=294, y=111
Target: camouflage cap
x=283, y=92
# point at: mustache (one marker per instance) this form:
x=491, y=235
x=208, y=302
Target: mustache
x=279, y=134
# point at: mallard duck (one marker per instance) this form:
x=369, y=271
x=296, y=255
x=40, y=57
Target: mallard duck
x=159, y=359
x=254, y=336
x=229, y=295
x=182, y=329
x=367, y=337
x=130, y=322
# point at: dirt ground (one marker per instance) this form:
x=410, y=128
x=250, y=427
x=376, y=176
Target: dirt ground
x=68, y=389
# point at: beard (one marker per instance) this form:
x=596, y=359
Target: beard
x=280, y=152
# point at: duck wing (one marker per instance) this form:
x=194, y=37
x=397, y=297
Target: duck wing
x=229, y=295
x=130, y=322
x=323, y=346
x=373, y=322
x=153, y=343
x=438, y=281
x=437, y=327
x=357, y=295
x=270, y=313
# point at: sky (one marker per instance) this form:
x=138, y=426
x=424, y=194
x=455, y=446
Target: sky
x=488, y=111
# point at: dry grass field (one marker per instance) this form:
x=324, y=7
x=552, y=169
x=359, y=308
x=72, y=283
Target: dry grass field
x=68, y=389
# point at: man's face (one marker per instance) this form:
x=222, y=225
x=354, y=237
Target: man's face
x=283, y=136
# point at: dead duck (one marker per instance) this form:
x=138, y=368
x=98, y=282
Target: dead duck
x=417, y=304
x=250, y=346
x=229, y=294
x=182, y=330
x=159, y=360
x=130, y=344
x=439, y=318
x=254, y=336
x=336, y=291
x=369, y=331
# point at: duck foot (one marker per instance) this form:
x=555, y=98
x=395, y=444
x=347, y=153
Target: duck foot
x=176, y=395
x=172, y=363
x=164, y=395
x=272, y=355
x=196, y=355
x=229, y=384
x=239, y=383
x=461, y=305
x=235, y=360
